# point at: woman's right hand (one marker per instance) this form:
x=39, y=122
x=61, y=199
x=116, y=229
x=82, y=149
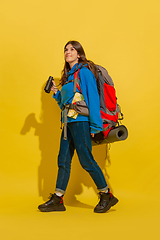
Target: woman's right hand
x=54, y=88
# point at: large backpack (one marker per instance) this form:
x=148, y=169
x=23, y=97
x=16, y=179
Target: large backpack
x=109, y=108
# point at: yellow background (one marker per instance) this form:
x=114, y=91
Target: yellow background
x=122, y=36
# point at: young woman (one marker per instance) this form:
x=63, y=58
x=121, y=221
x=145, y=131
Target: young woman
x=78, y=128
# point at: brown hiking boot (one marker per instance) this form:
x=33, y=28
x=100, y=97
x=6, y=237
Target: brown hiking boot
x=107, y=200
x=54, y=203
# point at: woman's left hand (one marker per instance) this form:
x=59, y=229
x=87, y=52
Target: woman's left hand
x=54, y=88
x=92, y=134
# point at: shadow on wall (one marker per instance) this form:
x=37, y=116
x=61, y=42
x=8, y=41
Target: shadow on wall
x=49, y=139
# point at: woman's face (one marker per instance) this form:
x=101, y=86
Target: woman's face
x=71, y=55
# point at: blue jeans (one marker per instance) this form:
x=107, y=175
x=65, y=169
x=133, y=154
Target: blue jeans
x=78, y=137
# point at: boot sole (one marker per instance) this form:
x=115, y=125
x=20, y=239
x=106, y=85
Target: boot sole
x=112, y=202
x=52, y=209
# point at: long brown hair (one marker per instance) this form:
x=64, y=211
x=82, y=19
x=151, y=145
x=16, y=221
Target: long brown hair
x=83, y=60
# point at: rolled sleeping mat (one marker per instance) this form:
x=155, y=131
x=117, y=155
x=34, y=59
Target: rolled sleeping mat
x=119, y=133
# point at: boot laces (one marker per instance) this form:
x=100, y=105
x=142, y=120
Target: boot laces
x=100, y=196
x=50, y=198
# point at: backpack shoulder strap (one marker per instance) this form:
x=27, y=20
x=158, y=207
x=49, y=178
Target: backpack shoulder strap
x=76, y=81
x=104, y=73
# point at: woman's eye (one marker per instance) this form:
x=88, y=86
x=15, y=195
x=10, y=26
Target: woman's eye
x=71, y=49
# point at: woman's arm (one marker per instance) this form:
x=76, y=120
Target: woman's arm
x=89, y=90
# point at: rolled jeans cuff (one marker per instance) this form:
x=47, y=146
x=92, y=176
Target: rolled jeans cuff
x=103, y=189
x=60, y=190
